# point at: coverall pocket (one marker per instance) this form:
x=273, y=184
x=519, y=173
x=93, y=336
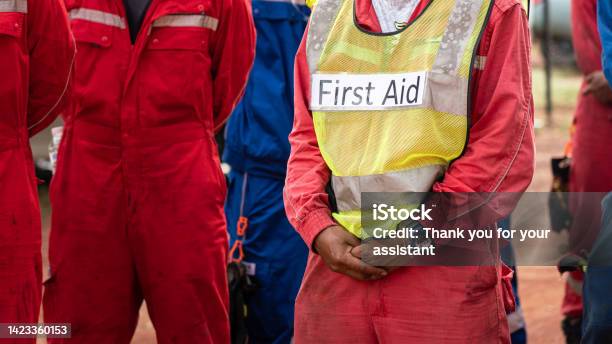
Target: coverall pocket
x=483, y=279
x=94, y=54
x=11, y=24
x=176, y=68
x=94, y=34
x=170, y=38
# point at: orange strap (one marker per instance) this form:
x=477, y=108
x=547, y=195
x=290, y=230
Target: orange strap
x=568, y=146
x=237, y=248
x=241, y=227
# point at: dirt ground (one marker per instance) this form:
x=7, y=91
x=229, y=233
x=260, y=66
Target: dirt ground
x=541, y=288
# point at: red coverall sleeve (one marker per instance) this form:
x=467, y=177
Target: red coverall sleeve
x=306, y=202
x=52, y=52
x=233, y=53
x=499, y=156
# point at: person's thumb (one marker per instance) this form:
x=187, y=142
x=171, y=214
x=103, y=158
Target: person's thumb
x=350, y=239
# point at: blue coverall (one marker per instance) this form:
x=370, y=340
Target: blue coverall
x=604, y=8
x=257, y=149
x=597, y=318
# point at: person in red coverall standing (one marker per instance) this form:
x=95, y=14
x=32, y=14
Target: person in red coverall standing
x=36, y=59
x=341, y=299
x=591, y=169
x=138, y=193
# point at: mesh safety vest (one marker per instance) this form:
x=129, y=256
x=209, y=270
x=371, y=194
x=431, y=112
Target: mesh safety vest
x=391, y=110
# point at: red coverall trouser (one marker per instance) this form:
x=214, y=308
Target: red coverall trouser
x=36, y=55
x=138, y=192
x=130, y=223
x=334, y=308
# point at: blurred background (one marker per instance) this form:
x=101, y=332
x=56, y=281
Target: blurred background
x=556, y=83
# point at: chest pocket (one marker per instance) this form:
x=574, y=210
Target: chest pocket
x=11, y=24
x=12, y=17
x=13, y=62
x=182, y=32
x=92, y=35
x=94, y=31
x=94, y=27
x=176, y=66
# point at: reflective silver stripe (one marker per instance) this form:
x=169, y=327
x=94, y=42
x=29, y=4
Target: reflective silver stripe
x=480, y=62
x=454, y=89
x=516, y=320
x=19, y=6
x=98, y=17
x=461, y=25
x=348, y=189
x=321, y=21
x=187, y=20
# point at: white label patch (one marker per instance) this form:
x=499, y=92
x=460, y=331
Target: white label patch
x=250, y=268
x=343, y=92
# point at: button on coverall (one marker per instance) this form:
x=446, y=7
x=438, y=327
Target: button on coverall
x=138, y=195
x=420, y=304
x=36, y=57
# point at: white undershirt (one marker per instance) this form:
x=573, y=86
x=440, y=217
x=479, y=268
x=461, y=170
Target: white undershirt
x=393, y=14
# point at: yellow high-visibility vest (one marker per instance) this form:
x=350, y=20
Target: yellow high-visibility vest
x=391, y=110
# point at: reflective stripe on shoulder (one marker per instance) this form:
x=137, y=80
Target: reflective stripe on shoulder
x=321, y=21
x=459, y=29
x=98, y=17
x=187, y=20
x=19, y=6
x=480, y=62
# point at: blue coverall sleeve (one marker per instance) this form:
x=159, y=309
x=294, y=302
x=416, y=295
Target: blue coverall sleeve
x=605, y=30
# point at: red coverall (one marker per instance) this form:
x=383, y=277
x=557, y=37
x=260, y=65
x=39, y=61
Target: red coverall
x=420, y=304
x=36, y=57
x=138, y=195
x=591, y=169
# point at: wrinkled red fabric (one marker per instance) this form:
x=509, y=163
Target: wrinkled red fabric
x=428, y=305
x=591, y=169
x=138, y=194
x=425, y=304
x=36, y=56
